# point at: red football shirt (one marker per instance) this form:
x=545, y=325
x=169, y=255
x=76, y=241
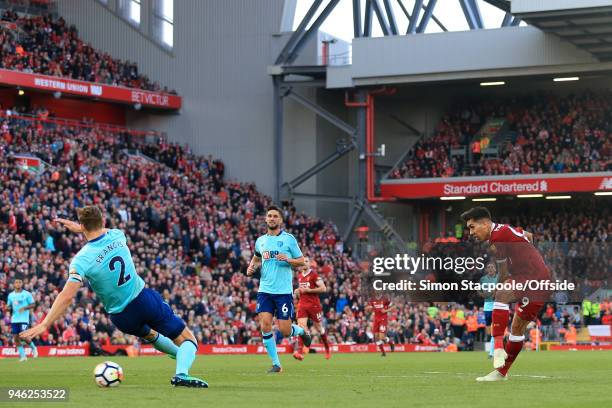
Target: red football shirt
x=523, y=258
x=379, y=305
x=309, y=281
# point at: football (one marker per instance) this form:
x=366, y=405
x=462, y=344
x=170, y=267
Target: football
x=108, y=374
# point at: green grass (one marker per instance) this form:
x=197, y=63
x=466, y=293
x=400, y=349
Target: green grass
x=545, y=379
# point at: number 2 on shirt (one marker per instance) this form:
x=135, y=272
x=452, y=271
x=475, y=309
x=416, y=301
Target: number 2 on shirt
x=122, y=276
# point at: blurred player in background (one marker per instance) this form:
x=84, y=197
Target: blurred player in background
x=381, y=307
x=20, y=301
x=519, y=261
x=489, y=278
x=106, y=263
x=277, y=252
x=311, y=286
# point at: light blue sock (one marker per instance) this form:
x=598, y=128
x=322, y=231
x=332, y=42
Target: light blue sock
x=185, y=356
x=492, y=341
x=270, y=343
x=164, y=344
x=296, y=330
x=21, y=351
x=33, y=347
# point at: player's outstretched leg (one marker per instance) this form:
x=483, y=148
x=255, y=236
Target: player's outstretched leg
x=161, y=343
x=185, y=355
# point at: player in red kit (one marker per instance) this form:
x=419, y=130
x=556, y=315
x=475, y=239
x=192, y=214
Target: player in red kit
x=311, y=286
x=519, y=262
x=381, y=307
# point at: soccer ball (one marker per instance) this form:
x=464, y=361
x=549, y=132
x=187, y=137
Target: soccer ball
x=108, y=374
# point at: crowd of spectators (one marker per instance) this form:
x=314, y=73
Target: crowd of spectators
x=190, y=232
x=49, y=46
x=546, y=134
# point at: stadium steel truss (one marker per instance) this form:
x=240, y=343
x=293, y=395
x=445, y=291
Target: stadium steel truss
x=588, y=27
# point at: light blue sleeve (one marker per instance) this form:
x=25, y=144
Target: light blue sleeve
x=294, y=249
x=30, y=299
x=257, y=250
x=9, y=300
x=77, y=269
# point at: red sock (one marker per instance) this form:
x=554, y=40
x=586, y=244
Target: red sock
x=513, y=348
x=381, y=346
x=300, y=344
x=498, y=342
x=499, y=323
x=325, y=342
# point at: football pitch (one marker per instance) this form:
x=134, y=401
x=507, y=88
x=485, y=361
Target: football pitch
x=544, y=379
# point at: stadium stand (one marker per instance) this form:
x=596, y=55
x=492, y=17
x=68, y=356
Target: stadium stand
x=190, y=251
x=44, y=45
x=191, y=234
x=191, y=231
x=541, y=133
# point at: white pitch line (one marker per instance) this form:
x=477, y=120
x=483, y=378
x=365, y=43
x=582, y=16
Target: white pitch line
x=416, y=375
x=339, y=375
x=531, y=376
x=511, y=375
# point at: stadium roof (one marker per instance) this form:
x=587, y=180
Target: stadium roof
x=587, y=24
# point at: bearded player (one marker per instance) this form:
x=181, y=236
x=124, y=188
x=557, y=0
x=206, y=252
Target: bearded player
x=276, y=252
x=311, y=286
x=517, y=261
x=381, y=307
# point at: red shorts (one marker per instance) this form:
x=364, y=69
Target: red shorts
x=528, y=309
x=380, y=326
x=529, y=301
x=314, y=313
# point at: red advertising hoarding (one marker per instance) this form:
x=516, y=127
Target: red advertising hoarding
x=90, y=89
x=48, y=351
x=500, y=185
x=230, y=349
x=236, y=349
x=283, y=349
